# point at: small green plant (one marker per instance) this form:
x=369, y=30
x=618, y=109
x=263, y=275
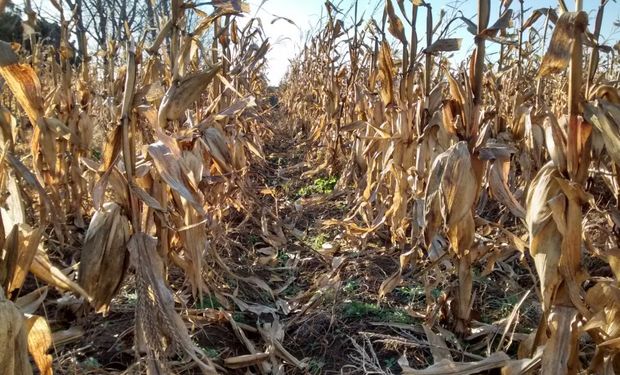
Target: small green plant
x=360, y=310
x=391, y=363
x=317, y=241
x=283, y=256
x=211, y=352
x=326, y=185
x=315, y=366
x=90, y=363
x=319, y=186
x=351, y=286
x=95, y=154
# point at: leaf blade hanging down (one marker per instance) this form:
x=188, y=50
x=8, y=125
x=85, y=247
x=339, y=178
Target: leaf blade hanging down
x=602, y=118
x=39, y=343
x=22, y=81
x=543, y=197
x=183, y=93
x=158, y=326
x=386, y=69
x=43, y=269
x=558, y=54
x=503, y=22
x=395, y=26
x=444, y=45
x=498, y=183
x=104, y=257
x=28, y=244
x=171, y=172
x=553, y=16
x=13, y=340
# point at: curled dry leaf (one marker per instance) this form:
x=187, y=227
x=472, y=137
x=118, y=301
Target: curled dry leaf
x=183, y=93
x=606, y=119
x=25, y=252
x=218, y=148
x=545, y=237
x=39, y=343
x=30, y=302
x=174, y=173
x=395, y=26
x=561, y=46
x=13, y=340
x=23, y=82
x=498, y=183
x=104, y=258
x=43, y=269
x=444, y=45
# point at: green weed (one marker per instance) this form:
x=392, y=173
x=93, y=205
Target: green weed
x=360, y=310
x=319, y=186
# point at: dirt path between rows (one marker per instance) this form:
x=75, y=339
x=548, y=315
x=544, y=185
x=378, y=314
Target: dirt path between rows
x=324, y=313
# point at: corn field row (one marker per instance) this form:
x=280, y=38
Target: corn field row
x=145, y=168
x=427, y=146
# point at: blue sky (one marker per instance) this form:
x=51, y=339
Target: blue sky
x=287, y=39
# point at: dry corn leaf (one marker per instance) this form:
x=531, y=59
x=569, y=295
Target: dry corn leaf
x=560, y=355
x=602, y=117
x=218, y=148
x=43, y=269
x=39, y=343
x=231, y=5
x=444, y=45
x=13, y=340
x=545, y=237
x=158, y=326
x=173, y=172
x=104, y=258
x=8, y=127
x=498, y=184
x=550, y=12
x=8, y=257
x=395, y=26
x=28, y=245
x=503, y=22
x=236, y=108
x=29, y=303
x=447, y=367
x=183, y=93
x=23, y=82
x=555, y=140
x=390, y=284
x=523, y=366
x=245, y=360
x=560, y=48
x=439, y=349
x=13, y=209
x=387, y=69
x=458, y=185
